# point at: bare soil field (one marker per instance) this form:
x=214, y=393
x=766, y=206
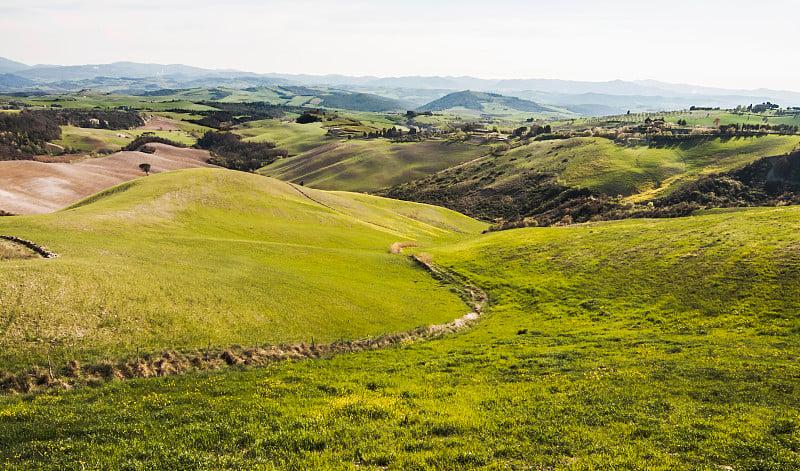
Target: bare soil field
x=159, y=123
x=30, y=187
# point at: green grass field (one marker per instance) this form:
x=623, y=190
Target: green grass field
x=295, y=138
x=188, y=258
x=642, y=344
x=369, y=165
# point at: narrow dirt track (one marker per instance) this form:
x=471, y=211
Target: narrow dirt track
x=29, y=187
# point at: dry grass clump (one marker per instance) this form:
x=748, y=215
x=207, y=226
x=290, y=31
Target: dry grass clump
x=398, y=247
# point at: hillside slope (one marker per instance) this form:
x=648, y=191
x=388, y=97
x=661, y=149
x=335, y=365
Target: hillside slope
x=28, y=187
x=659, y=345
x=369, y=165
x=531, y=179
x=209, y=256
x=471, y=102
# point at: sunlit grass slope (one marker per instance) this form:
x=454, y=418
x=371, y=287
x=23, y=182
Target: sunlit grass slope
x=190, y=258
x=295, y=138
x=369, y=165
x=640, y=344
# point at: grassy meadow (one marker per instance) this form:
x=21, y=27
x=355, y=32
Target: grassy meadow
x=191, y=258
x=640, y=344
x=295, y=138
x=369, y=165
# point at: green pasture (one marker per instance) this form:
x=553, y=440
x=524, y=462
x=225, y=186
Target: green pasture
x=295, y=138
x=190, y=258
x=640, y=344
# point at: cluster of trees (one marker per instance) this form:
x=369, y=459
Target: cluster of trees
x=231, y=114
x=309, y=117
x=761, y=108
x=534, y=131
x=147, y=138
x=391, y=133
x=413, y=114
x=25, y=134
x=758, y=128
x=99, y=119
x=702, y=108
x=230, y=151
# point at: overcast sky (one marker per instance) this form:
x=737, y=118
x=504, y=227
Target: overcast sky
x=731, y=44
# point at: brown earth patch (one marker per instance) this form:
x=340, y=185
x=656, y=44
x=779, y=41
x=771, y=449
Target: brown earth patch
x=31, y=187
x=159, y=123
x=398, y=247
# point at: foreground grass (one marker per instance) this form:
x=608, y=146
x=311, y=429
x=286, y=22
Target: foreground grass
x=667, y=344
x=191, y=258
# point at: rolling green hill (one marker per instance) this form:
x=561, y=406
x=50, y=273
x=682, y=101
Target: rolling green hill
x=295, y=138
x=470, y=102
x=532, y=178
x=190, y=258
x=369, y=165
x=641, y=344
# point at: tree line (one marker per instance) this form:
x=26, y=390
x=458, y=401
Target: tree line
x=25, y=134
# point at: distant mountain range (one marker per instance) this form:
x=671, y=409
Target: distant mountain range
x=586, y=98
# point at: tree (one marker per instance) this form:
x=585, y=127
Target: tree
x=145, y=168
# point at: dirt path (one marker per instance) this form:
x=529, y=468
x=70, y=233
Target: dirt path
x=29, y=187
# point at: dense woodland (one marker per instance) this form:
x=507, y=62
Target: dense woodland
x=230, y=151
x=25, y=134
x=231, y=114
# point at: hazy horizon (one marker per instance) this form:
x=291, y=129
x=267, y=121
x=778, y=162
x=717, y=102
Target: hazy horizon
x=716, y=44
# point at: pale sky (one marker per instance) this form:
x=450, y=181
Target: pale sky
x=730, y=44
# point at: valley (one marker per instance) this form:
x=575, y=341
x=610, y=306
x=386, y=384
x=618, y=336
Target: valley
x=311, y=277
